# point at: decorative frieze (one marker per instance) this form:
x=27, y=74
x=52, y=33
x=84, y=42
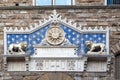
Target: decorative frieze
x=57, y=64
x=71, y=64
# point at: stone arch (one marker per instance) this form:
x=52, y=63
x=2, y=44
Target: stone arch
x=55, y=76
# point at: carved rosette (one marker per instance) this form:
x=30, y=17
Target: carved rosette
x=55, y=36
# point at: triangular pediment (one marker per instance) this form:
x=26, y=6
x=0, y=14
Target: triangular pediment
x=73, y=35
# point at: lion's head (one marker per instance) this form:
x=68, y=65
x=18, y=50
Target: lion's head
x=88, y=44
x=24, y=46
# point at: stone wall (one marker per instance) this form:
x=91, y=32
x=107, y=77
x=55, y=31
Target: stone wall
x=31, y=2
x=90, y=2
x=16, y=2
x=88, y=17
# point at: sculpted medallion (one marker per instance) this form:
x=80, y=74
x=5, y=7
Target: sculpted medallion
x=55, y=35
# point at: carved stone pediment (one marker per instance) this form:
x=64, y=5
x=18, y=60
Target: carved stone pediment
x=56, y=31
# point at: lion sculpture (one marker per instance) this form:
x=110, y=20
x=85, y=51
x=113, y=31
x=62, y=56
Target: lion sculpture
x=95, y=47
x=17, y=48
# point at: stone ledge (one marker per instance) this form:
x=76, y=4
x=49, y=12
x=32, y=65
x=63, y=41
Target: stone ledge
x=96, y=57
x=17, y=55
x=27, y=73
x=58, y=7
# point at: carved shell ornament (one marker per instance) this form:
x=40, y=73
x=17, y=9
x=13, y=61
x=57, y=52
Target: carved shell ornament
x=55, y=35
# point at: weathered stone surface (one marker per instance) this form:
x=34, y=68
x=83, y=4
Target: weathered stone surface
x=31, y=78
x=14, y=2
x=89, y=2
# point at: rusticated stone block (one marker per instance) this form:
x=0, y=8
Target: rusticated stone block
x=30, y=78
x=9, y=24
x=16, y=3
x=1, y=63
x=89, y=2
x=2, y=24
x=103, y=23
x=1, y=47
x=110, y=78
x=17, y=78
x=3, y=16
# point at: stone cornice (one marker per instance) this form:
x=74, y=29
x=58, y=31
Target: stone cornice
x=57, y=7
